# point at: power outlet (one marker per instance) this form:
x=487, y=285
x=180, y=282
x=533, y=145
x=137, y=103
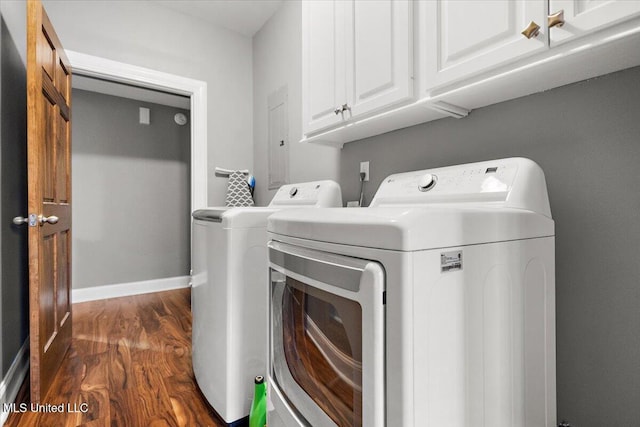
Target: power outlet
x=145, y=116
x=364, y=167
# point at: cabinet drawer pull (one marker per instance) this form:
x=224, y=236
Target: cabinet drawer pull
x=531, y=31
x=556, y=19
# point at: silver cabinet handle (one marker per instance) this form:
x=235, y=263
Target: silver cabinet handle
x=48, y=219
x=342, y=109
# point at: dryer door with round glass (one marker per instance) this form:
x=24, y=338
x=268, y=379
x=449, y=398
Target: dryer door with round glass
x=327, y=338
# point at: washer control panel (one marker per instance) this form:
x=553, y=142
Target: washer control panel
x=317, y=193
x=511, y=183
x=486, y=181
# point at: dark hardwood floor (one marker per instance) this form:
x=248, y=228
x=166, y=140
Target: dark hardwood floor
x=130, y=364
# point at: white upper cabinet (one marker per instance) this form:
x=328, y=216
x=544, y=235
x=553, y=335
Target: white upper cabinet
x=460, y=38
x=357, y=57
x=323, y=63
x=379, y=54
x=582, y=17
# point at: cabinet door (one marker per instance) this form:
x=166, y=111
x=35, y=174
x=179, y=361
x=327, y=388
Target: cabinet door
x=379, y=54
x=585, y=16
x=459, y=39
x=323, y=63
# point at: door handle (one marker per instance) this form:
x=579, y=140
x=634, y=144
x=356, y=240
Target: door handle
x=48, y=219
x=19, y=220
x=32, y=220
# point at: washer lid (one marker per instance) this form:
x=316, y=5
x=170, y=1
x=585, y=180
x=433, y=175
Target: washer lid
x=492, y=201
x=411, y=228
x=210, y=214
x=240, y=217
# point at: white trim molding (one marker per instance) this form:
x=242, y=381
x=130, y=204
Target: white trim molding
x=13, y=379
x=127, y=289
x=106, y=69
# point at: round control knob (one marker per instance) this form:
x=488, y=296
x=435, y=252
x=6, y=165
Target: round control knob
x=427, y=182
x=293, y=191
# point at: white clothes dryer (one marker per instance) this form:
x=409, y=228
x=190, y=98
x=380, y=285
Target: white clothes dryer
x=433, y=307
x=229, y=296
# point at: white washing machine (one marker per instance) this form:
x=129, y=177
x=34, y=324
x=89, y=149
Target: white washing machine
x=229, y=295
x=433, y=307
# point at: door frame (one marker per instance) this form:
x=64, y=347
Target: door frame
x=106, y=69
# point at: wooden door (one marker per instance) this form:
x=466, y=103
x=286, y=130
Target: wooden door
x=49, y=182
x=323, y=63
x=459, y=39
x=583, y=17
x=379, y=40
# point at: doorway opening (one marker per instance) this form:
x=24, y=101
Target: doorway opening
x=107, y=72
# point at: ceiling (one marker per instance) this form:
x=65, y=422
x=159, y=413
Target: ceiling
x=245, y=17
x=242, y=16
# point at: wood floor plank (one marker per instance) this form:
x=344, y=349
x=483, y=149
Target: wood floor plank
x=182, y=397
x=130, y=364
x=120, y=363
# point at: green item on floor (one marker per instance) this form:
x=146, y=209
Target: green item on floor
x=258, y=413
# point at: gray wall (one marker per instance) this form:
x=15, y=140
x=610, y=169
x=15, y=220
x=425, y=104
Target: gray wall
x=14, y=286
x=147, y=34
x=277, y=62
x=586, y=137
x=131, y=187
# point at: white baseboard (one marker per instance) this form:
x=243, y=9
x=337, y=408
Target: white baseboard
x=13, y=380
x=127, y=289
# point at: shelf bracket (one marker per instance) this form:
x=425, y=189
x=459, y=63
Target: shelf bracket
x=450, y=109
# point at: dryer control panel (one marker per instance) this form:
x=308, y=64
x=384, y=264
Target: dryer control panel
x=513, y=182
